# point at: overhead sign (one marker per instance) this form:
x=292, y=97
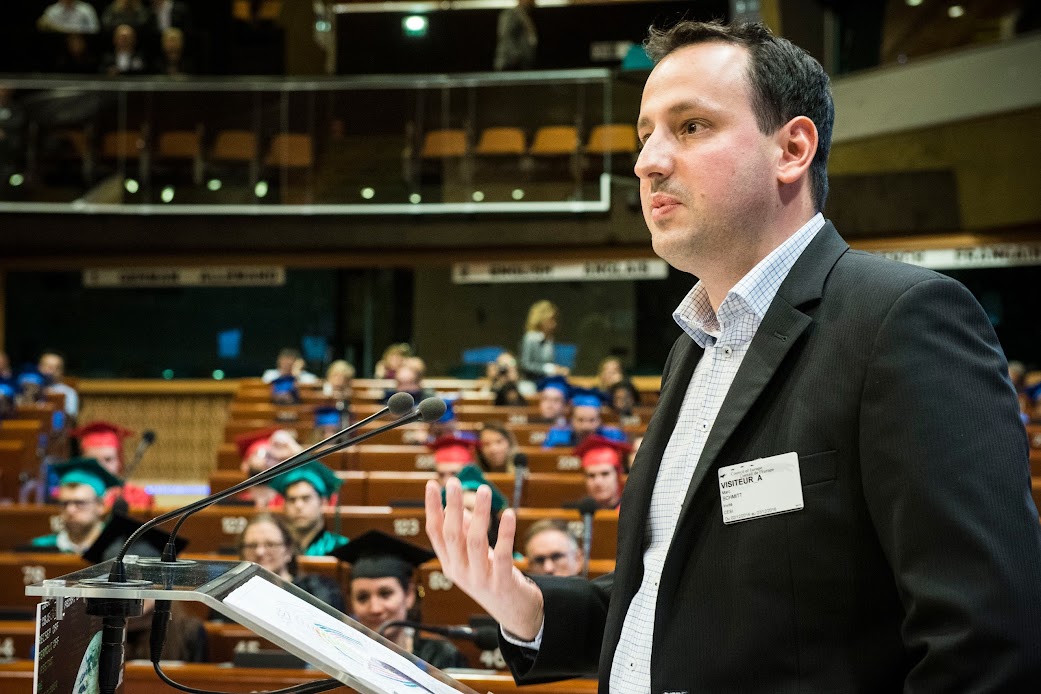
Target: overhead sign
x=550, y=271
x=234, y=276
x=996, y=255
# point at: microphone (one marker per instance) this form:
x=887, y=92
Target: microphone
x=485, y=637
x=587, y=507
x=147, y=439
x=520, y=476
x=429, y=410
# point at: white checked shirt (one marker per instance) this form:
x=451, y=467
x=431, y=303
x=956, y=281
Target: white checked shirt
x=725, y=336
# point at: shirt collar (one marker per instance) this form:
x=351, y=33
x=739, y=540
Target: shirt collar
x=752, y=294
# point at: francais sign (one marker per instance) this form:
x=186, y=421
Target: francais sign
x=549, y=271
x=236, y=276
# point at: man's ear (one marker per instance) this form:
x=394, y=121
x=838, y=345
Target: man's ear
x=798, y=141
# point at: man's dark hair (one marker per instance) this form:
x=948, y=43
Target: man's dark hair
x=785, y=81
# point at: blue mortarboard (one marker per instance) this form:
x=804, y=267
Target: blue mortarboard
x=328, y=417
x=324, y=480
x=449, y=415
x=6, y=390
x=556, y=383
x=586, y=397
x=86, y=471
x=471, y=478
x=284, y=384
x=31, y=377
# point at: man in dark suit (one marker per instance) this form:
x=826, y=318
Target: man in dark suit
x=833, y=494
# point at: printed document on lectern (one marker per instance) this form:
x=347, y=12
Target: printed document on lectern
x=334, y=643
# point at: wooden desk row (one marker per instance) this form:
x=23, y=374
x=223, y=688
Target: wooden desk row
x=541, y=489
x=139, y=678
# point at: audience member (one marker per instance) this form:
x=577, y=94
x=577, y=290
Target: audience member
x=393, y=357
x=125, y=58
x=536, y=349
x=408, y=377
x=172, y=58
x=585, y=420
x=629, y=459
x=103, y=441
x=470, y=480
x=266, y=540
x=328, y=421
x=451, y=454
x=284, y=391
x=382, y=589
x=290, y=363
x=610, y=372
x=261, y=450
x=129, y=12
x=623, y=399
x=338, y=381
x=29, y=388
x=602, y=463
x=306, y=490
x=6, y=372
x=52, y=367
x=1016, y=371
x=82, y=485
x=552, y=550
x=554, y=393
x=516, y=38
x=510, y=395
x=497, y=449
x=69, y=17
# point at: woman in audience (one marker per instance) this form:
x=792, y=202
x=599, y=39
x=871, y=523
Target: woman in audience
x=393, y=357
x=338, y=379
x=267, y=541
x=611, y=372
x=409, y=379
x=536, y=351
x=382, y=589
x=497, y=449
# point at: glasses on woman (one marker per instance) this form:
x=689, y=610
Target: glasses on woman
x=266, y=546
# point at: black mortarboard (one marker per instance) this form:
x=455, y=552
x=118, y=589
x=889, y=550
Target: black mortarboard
x=376, y=554
x=115, y=534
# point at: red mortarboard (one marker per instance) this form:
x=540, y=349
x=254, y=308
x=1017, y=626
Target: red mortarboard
x=453, y=449
x=597, y=450
x=249, y=441
x=98, y=434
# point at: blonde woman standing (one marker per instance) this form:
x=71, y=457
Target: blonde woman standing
x=536, y=350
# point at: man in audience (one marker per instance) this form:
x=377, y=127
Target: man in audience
x=290, y=363
x=69, y=17
x=409, y=379
x=52, y=367
x=306, y=490
x=285, y=392
x=261, y=450
x=103, y=441
x=82, y=487
x=452, y=454
x=585, y=420
x=172, y=60
x=603, y=464
x=551, y=550
x=554, y=393
x=125, y=59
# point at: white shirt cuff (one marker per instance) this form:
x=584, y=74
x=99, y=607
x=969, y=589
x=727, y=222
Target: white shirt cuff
x=534, y=645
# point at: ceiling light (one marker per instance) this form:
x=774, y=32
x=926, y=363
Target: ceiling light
x=955, y=11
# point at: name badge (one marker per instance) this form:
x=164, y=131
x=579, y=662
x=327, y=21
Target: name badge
x=758, y=488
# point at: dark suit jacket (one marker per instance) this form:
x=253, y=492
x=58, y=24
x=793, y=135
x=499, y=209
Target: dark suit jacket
x=915, y=565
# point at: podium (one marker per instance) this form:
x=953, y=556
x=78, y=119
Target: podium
x=241, y=591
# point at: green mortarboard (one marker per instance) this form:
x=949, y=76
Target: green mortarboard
x=376, y=554
x=471, y=478
x=116, y=532
x=86, y=471
x=319, y=476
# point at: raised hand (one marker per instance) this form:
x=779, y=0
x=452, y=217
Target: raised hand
x=485, y=574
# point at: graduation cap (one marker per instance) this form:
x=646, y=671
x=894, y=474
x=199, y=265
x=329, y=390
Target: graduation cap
x=587, y=397
x=115, y=533
x=328, y=417
x=101, y=435
x=597, y=450
x=6, y=391
x=449, y=415
x=450, y=449
x=86, y=471
x=319, y=476
x=376, y=554
x=285, y=385
x=555, y=383
x=31, y=378
x=249, y=441
x=470, y=479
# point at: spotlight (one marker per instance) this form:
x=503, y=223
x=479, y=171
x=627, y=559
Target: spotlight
x=167, y=374
x=955, y=11
x=214, y=184
x=167, y=195
x=131, y=186
x=415, y=25
x=218, y=375
x=415, y=198
x=517, y=194
x=368, y=193
x=261, y=189
x=478, y=196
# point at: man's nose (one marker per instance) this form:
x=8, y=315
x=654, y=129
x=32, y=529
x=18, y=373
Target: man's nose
x=655, y=159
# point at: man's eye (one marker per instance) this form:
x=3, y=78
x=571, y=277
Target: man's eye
x=690, y=128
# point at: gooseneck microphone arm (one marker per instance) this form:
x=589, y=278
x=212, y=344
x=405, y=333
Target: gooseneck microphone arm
x=423, y=412
x=485, y=638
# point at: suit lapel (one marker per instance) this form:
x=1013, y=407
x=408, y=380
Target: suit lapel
x=782, y=325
